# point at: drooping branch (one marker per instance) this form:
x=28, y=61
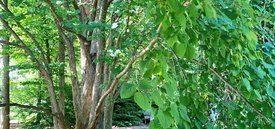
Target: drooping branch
x=114, y=83
x=237, y=92
x=46, y=111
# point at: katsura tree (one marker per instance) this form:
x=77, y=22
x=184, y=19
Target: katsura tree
x=195, y=63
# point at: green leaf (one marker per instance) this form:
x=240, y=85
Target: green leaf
x=172, y=41
x=5, y=15
x=175, y=112
x=127, y=90
x=193, y=35
x=165, y=24
x=142, y=101
x=169, y=90
x=154, y=125
x=174, y=5
x=260, y=72
x=183, y=113
x=268, y=66
x=222, y=51
x=270, y=91
x=186, y=125
x=193, y=10
x=181, y=19
x=157, y=98
x=16, y=2
x=247, y=84
x=210, y=12
x=180, y=49
x=258, y=94
x=165, y=118
x=198, y=124
x=250, y=35
x=160, y=15
x=190, y=52
x=19, y=17
x=231, y=13
x=145, y=85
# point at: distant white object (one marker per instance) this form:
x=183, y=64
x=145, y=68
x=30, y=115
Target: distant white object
x=114, y=25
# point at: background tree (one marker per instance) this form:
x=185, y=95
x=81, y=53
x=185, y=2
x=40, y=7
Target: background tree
x=197, y=59
x=5, y=88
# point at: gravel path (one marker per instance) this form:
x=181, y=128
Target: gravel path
x=132, y=127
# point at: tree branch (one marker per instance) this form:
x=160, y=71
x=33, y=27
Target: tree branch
x=74, y=78
x=9, y=43
x=48, y=79
x=48, y=112
x=118, y=77
x=32, y=37
x=237, y=92
x=60, y=20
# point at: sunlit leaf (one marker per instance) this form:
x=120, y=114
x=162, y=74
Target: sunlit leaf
x=164, y=118
x=247, y=84
x=127, y=90
x=142, y=101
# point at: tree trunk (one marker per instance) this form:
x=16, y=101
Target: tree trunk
x=61, y=78
x=39, y=99
x=6, y=88
x=108, y=112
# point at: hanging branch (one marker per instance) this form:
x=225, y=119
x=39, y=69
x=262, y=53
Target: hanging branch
x=114, y=83
x=237, y=92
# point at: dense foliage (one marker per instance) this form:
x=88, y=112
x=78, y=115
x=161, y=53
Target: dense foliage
x=196, y=64
x=127, y=113
x=215, y=67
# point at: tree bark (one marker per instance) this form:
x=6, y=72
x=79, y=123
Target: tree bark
x=61, y=78
x=6, y=87
x=6, y=83
x=108, y=112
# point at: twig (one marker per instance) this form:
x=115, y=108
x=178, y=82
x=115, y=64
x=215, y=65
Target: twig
x=237, y=92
